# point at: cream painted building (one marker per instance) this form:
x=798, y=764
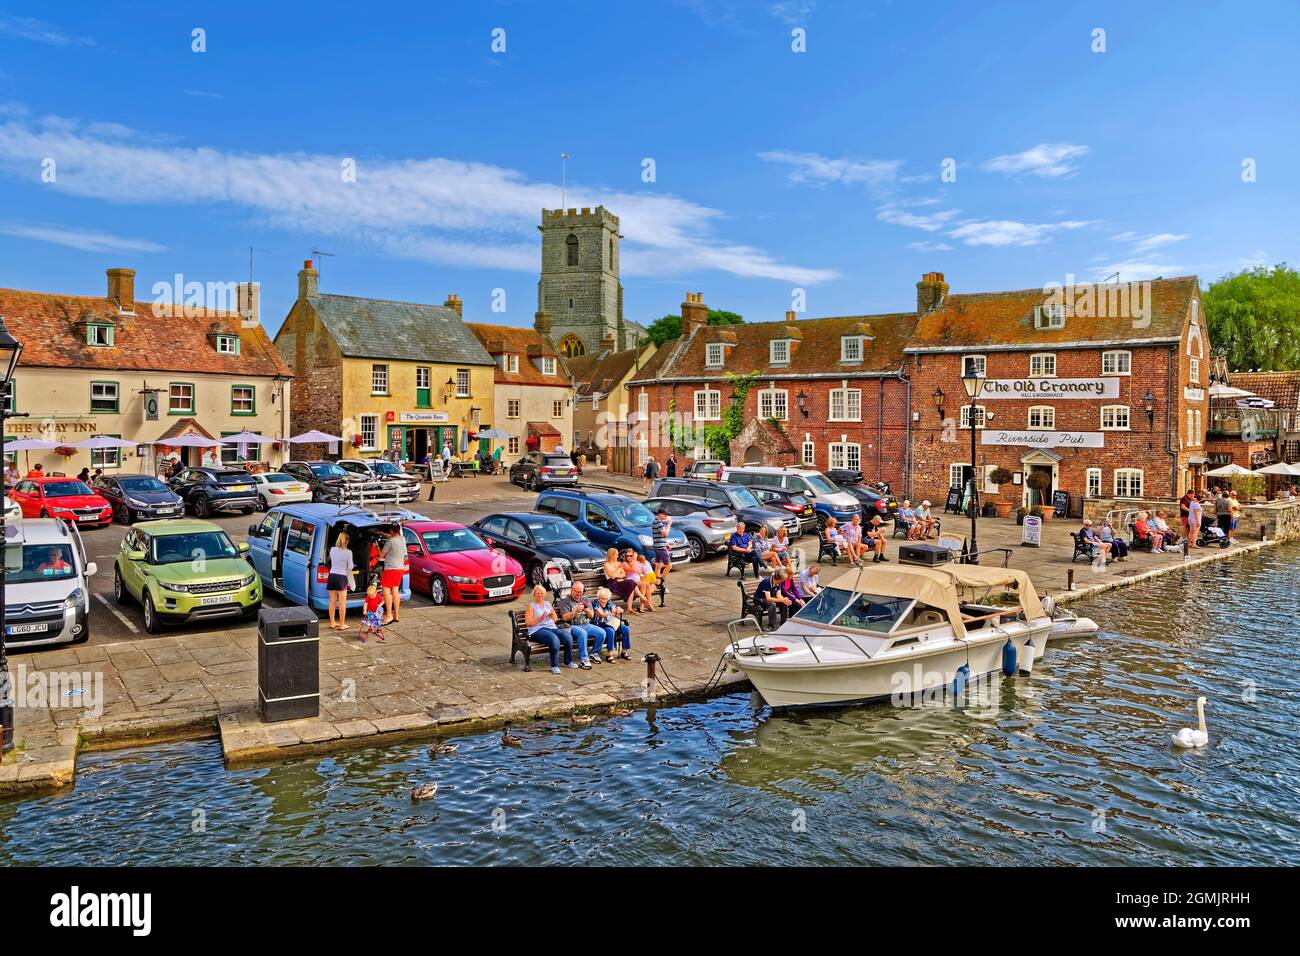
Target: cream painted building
x=113, y=366
x=533, y=391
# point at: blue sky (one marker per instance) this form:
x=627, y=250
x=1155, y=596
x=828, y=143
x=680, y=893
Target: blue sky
x=775, y=170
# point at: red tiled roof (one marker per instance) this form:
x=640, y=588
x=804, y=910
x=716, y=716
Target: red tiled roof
x=603, y=373
x=1283, y=388
x=52, y=329
x=990, y=319
x=542, y=429
x=815, y=348
x=527, y=344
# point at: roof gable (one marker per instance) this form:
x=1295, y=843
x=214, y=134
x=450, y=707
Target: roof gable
x=401, y=331
x=530, y=345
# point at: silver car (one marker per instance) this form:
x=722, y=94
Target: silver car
x=47, y=596
x=707, y=526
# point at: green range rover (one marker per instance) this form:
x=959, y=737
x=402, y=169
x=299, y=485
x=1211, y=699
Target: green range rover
x=183, y=570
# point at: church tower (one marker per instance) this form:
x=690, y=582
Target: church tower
x=579, y=291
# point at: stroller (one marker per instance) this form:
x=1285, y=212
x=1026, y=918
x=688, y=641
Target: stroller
x=1211, y=533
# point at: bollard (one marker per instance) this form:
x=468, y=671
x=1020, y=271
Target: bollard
x=1069, y=579
x=651, y=681
x=288, y=663
x=1186, y=548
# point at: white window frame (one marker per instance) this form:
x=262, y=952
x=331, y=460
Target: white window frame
x=235, y=408
x=981, y=363
x=1092, y=482
x=845, y=454
x=774, y=403
x=117, y=397
x=1191, y=428
x=1115, y=426
x=177, y=390
x=955, y=478
x=1046, y=418
x=1194, y=370
x=852, y=342
x=1199, y=430
x=1125, y=476
x=1043, y=358
x=1049, y=316
x=378, y=379
x=101, y=334
x=512, y=363
x=369, y=441
x=808, y=454
x=423, y=376
x=512, y=408
x=963, y=417
x=1116, y=355
x=512, y=445
x=708, y=405
x=715, y=355
x=462, y=383
x=548, y=366
x=778, y=352
x=228, y=344
x=850, y=401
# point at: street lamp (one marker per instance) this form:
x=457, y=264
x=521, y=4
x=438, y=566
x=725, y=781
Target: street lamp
x=802, y=400
x=938, y=397
x=10, y=350
x=974, y=384
x=1150, y=401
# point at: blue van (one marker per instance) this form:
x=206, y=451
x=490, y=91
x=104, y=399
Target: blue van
x=290, y=548
x=611, y=520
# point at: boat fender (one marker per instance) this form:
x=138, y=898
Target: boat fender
x=959, y=680
x=1027, y=657
x=1009, y=658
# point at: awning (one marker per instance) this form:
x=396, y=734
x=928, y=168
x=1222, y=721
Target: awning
x=1197, y=460
x=542, y=429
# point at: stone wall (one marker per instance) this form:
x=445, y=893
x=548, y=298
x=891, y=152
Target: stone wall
x=1277, y=520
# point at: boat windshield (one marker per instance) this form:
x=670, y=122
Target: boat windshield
x=863, y=612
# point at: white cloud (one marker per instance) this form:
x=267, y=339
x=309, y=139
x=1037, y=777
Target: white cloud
x=1147, y=243
x=435, y=209
x=1048, y=160
x=1008, y=232
x=792, y=11
x=929, y=246
x=205, y=93
x=817, y=169
x=27, y=28
x=896, y=215
x=1136, y=270
x=87, y=240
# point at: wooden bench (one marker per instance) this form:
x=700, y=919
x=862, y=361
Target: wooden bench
x=520, y=643
x=827, y=550
x=750, y=605
x=1082, y=548
x=905, y=527
x=592, y=581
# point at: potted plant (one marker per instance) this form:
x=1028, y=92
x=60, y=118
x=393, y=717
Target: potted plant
x=1038, y=482
x=1000, y=477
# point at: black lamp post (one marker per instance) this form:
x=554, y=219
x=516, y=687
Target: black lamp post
x=974, y=384
x=938, y=397
x=1149, y=401
x=802, y=400
x=10, y=350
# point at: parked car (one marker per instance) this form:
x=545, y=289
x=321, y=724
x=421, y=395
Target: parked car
x=538, y=470
x=704, y=468
x=47, y=596
x=139, y=498
x=330, y=483
x=610, y=520
x=68, y=498
x=452, y=563
x=12, y=511
x=829, y=500
x=536, y=540
x=738, y=498
x=791, y=501
x=184, y=570
x=708, y=526
x=279, y=488
x=206, y=490
x=403, y=487
x=290, y=547
x=873, y=502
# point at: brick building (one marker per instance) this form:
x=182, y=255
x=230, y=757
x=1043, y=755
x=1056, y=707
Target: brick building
x=1267, y=434
x=827, y=393
x=533, y=398
x=1103, y=388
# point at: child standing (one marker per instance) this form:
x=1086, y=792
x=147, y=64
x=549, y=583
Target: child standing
x=373, y=622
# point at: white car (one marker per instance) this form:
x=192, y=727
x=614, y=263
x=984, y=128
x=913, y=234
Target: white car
x=277, y=488
x=12, y=511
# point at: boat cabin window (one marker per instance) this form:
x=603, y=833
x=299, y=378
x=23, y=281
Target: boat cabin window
x=865, y=612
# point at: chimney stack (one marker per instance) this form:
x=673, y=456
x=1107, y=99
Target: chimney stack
x=307, y=281
x=542, y=322
x=121, y=288
x=453, y=302
x=930, y=292
x=695, y=314
x=250, y=303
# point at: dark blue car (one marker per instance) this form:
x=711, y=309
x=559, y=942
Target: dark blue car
x=611, y=520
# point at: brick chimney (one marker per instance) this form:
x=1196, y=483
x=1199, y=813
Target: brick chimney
x=121, y=288
x=453, y=302
x=307, y=280
x=695, y=314
x=930, y=292
x=250, y=303
x=542, y=322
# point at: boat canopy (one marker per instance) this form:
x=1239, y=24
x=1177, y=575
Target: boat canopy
x=984, y=581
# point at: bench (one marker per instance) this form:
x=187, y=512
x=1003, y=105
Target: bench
x=749, y=605
x=741, y=560
x=1082, y=548
x=905, y=527
x=827, y=550
x=592, y=581
x=520, y=642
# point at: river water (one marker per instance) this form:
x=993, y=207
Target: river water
x=1070, y=766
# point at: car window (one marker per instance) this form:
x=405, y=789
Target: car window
x=41, y=562
x=599, y=517
x=493, y=525
x=568, y=508
x=718, y=495
x=633, y=513
x=554, y=532
x=547, y=505
x=138, y=484
x=410, y=536
x=820, y=485
x=451, y=540
x=515, y=531
x=267, y=525
x=796, y=484
x=192, y=546
x=299, y=538
x=327, y=469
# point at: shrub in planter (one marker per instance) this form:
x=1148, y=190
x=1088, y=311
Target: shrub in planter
x=1000, y=477
x=1039, y=482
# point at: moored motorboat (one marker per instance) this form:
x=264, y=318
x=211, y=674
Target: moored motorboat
x=878, y=633
x=1066, y=623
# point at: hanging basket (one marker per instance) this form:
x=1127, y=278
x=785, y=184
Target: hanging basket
x=357, y=441
x=67, y=451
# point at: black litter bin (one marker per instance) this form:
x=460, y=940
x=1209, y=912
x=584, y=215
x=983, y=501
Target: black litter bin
x=288, y=663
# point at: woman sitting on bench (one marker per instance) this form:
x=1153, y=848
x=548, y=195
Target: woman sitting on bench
x=617, y=579
x=835, y=539
x=541, y=621
x=765, y=548
x=781, y=548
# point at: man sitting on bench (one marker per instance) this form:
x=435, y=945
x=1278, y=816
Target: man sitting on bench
x=1089, y=537
x=742, y=550
x=769, y=596
x=877, y=539
x=924, y=520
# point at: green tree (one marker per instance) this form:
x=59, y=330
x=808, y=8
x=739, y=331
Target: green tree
x=670, y=326
x=1254, y=317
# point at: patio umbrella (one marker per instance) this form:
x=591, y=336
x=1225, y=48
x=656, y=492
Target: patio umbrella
x=244, y=439
x=1218, y=390
x=104, y=441
x=317, y=437
x=1229, y=471
x=30, y=444
x=1278, y=468
x=495, y=433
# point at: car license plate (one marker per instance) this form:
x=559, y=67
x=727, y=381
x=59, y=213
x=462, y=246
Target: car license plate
x=241, y=487
x=499, y=592
x=87, y=517
x=210, y=599
x=28, y=628
x=679, y=554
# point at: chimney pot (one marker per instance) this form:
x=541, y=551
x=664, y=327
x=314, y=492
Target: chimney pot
x=695, y=314
x=930, y=292
x=453, y=302
x=308, y=279
x=121, y=288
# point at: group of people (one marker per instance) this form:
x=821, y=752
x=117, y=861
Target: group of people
x=920, y=523
x=1193, y=505
x=388, y=564
x=572, y=621
x=855, y=542
x=783, y=592
x=1153, y=528
x=761, y=550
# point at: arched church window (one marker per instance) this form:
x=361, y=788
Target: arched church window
x=572, y=245
x=571, y=346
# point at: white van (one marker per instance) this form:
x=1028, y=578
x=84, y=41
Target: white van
x=47, y=596
x=828, y=500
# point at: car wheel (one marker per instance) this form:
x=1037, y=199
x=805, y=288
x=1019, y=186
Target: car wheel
x=245, y=511
x=315, y=495
x=537, y=574
x=151, y=623
x=261, y=504
x=697, y=547
x=83, y=636
x=200, y=506
x=438, y=590
x=121, y=514
x=120, y=593
x=44, y=513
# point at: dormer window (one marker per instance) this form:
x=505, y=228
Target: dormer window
x=228, y=344
x=1049, y=316
x=780, y=352
x=99, y=335
x=715, y=355
x=548, y=366
x=851, y=348
x=512, y=362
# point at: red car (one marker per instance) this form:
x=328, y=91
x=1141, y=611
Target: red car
x=66, y=498
x=450, y=562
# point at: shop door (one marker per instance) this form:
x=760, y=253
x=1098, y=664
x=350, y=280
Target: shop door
x=1045, y=496
x=447, y=436
x=417, y=441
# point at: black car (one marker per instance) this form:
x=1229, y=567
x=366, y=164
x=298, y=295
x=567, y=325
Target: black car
x=541, y=469
x=792, y=501
x=139, y=498
x=329, y=482
x=206, y=490
x=873, y=502
x=535, y=539
x=738, y=498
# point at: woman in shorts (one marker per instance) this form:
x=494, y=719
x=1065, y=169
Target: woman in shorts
x=340, y=581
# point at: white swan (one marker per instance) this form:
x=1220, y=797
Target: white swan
x=1191, y=739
